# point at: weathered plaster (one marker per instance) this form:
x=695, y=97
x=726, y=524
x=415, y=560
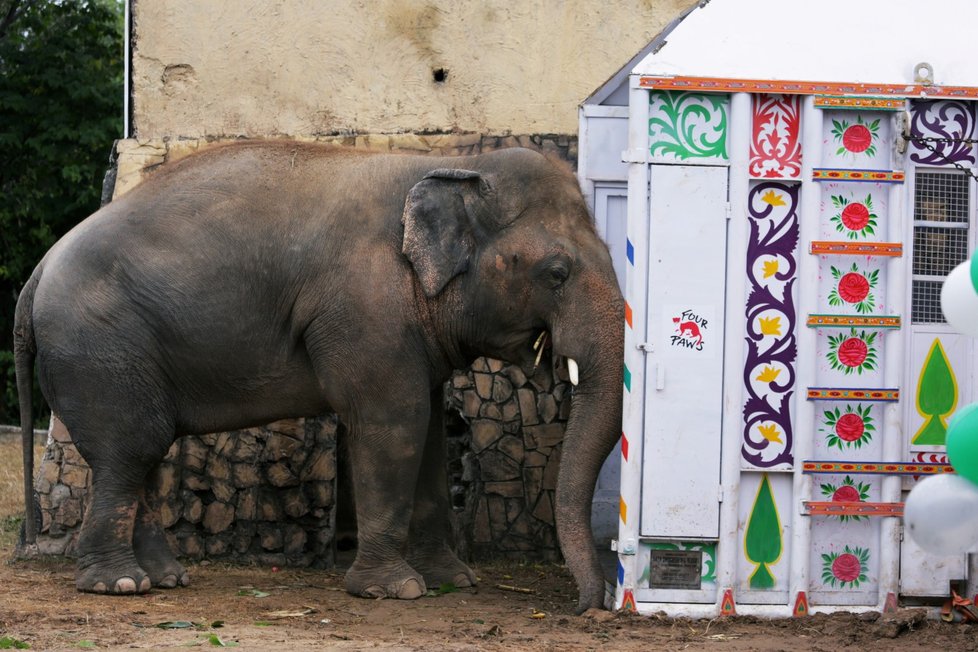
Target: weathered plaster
x=287, y=67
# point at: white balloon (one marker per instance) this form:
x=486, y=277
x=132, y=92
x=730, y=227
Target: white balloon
x=941, y=514
x=959, y=301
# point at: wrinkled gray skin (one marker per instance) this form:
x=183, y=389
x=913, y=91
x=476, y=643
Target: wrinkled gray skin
x=254, y=282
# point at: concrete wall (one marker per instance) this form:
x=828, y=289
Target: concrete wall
x=205, y=68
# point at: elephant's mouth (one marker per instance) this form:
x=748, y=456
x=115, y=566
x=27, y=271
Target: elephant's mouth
x=542, y=343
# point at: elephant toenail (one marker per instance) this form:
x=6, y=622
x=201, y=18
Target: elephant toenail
x=185, y=580
x=145, y=585
x=125, y=585
x=167, y=582
x=99, y=587
x=373, y=591
x=462, y=581
x=411, y=590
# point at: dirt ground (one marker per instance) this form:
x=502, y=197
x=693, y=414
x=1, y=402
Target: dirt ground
x=255, y=608
x=270, y=609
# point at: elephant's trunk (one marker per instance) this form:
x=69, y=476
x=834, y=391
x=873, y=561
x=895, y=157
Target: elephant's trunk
x=593, y=429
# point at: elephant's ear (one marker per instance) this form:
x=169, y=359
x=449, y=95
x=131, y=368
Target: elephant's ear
x=441, y=225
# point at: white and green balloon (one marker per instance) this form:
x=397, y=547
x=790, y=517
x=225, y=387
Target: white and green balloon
x=941, y=513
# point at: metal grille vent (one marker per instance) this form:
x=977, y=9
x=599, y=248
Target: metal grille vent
x=940, y=238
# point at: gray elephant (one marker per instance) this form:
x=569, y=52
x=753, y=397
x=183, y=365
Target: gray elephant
x=253, y=282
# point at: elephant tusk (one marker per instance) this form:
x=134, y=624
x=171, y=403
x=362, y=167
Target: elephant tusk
x=572, y=371
x=540, y=339
x=538, y=347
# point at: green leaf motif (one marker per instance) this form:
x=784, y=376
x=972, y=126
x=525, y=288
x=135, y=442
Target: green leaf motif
x=762, y=540
x=688, y=125
x=937, y=396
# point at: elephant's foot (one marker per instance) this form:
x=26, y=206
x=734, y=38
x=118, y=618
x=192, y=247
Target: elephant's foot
x=164, y=571
x=123, y=577
x=396, y=580
x=440, y=565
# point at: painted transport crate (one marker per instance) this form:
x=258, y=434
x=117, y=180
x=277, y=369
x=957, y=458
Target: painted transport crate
x=789, y=374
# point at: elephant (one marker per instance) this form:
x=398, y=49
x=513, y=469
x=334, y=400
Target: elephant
x=262, y=280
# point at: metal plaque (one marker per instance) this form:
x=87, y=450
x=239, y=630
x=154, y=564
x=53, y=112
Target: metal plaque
x=676, y=569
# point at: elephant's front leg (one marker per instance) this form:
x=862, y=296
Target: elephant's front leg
x=431, y=542
x=386, y=447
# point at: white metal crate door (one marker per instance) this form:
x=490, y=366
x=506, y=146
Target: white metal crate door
x=684, y=367
x=940, y=369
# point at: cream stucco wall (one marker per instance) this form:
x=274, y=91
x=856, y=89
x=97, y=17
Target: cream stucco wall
x=219, y=68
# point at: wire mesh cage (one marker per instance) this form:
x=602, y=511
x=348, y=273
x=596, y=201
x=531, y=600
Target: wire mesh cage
x=940, y=238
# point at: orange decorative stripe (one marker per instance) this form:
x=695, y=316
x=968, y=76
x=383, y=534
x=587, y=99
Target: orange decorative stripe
x=875, y=468
x=878, y=176
x=879, y=103
x=851, y=508
x=852, y=394
x=622, y=510
x=835, y=248
x=845, y=321
x=721, y=85
x=628, y=315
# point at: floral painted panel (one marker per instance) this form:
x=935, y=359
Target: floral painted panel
x=942, y=119
x=853, y=212
x=770, y=315
x=845, y=549
x=853, y=352
x=857, y=139
x=847, y=428
x=686, y=127
x=854, y=288
x=775, y=146
x=850, y=357
x=852, y=284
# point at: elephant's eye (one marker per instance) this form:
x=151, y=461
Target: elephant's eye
x=556, y=271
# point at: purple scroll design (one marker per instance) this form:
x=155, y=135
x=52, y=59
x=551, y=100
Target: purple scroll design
x=942, y=119
x=771, y=236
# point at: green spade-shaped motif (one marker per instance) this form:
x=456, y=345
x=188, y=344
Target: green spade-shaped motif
x=937, y=396
x=762, y=540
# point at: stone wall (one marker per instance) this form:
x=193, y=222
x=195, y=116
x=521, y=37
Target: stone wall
x=509, y=457
x=263, y=495
x=138, y=157
x=269, y=494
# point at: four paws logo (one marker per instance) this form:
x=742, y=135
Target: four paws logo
x=690, y=330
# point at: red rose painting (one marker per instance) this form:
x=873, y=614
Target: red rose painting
x=846, y=569
x=851, y=428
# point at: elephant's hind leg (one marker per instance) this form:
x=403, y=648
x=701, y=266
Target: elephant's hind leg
x=120, y=452
x=152, y=551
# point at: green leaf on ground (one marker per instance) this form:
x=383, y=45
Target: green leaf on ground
x=254, y=593
x=214, y=639
x=175, y=624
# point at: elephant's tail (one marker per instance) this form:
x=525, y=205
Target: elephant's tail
x=25, y=350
